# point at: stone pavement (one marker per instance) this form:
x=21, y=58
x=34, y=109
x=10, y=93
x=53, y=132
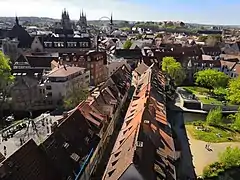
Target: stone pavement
x=203, y=157
x=43, y=131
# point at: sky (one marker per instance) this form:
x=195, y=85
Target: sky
x=193, y=11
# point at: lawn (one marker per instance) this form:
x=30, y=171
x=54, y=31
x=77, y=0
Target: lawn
x=209, y=100
x=212, y=134
x=202, y=94
x=197, y=90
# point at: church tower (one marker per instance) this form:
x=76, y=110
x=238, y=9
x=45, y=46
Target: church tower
x=82, y=21
x=65, y=21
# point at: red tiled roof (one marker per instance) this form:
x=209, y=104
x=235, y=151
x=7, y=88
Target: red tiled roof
x=147, y=115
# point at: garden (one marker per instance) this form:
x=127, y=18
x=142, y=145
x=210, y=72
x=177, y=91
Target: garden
x=216, y=128
x=215, y=87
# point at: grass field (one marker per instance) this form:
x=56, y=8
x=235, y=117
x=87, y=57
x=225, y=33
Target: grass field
x=211, y=135
x=202, y=94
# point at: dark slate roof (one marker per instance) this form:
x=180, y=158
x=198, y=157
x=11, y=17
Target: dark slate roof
x=209, y=32
x=64, y=31
x=25, y=40
x=4, y=33
x=34, y=61
x=38, y=61
x=209, y=49
x=129, y=53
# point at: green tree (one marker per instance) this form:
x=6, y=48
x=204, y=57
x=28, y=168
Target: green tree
x=139, y=36
x=214, y=117
x=173, y=69
x=159, y=35
x=202, y=38
x=166, y=62
x=234, y=90
x=6, y=79
x=210, y=78
x=125, y=28
x=127, y=44
x=230, y=157
x=76, y=95
x=235, y=120
x=211, y=41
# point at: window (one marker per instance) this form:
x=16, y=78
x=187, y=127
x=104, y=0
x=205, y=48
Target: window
x=92, y=65
x=49, y=94
x=90, y=132
x=49, y=87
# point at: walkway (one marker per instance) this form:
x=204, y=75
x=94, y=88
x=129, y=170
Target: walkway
x=203, y=157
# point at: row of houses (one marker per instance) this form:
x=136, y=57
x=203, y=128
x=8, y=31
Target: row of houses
x=145, y=146
x=77, y=143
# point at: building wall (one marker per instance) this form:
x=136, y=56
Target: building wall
x=57, y=90
x=24, y=93
x=10, y=49
x=36, y=45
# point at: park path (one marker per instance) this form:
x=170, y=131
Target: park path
x=203, y=157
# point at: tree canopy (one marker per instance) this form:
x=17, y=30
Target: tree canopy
x=127, y=44
x=234, y=90
x=75, y=96
x=214, y=117
x=173, y=69
x=230, y=157
x=6, y=78
x=211, y=40
x=210, y=78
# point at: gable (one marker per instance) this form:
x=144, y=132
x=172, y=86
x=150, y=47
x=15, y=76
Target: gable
x=36, y=45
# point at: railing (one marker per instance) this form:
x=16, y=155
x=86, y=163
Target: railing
x=84, y=165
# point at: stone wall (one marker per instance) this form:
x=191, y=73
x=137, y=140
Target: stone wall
x=208, y=107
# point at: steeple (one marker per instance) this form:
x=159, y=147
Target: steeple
x=16, y=21
x=111, y=20
x=82, y=13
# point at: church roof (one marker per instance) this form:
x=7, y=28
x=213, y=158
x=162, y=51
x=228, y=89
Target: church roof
x=25, y=40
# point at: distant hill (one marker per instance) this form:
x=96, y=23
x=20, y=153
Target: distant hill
x=41, y=21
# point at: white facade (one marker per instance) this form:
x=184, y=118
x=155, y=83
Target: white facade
x=61, y=80
x=114, y=65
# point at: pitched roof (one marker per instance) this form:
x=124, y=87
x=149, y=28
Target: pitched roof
x=141, y=68
x=25, y=40
x=228, y=64
x=145, y=139
x=64, y=71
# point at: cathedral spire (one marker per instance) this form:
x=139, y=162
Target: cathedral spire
x=16, y=21
x=82, y=13
x=111, y=20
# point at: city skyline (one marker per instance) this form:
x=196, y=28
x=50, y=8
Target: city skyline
x=203, y=12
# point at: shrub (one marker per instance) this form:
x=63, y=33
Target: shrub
x=214, y=117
